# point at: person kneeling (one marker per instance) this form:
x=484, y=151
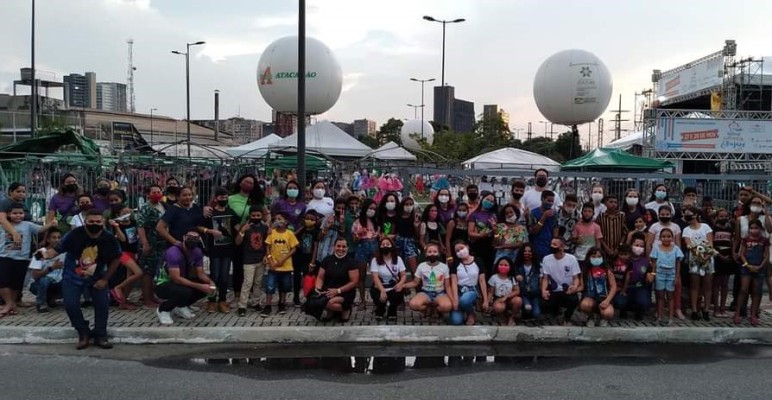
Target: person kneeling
x=336, y=282
x=600, y=289
x=505, y=292
x=560, y=282
x=433, y=277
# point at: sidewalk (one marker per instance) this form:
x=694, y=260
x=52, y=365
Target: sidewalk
x=141, y=327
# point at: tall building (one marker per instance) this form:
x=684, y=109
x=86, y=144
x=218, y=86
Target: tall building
x=463, y=116
x=111, y=96
x=492, y=111
x=364, y=127
x=80, y=90
x=452, y=113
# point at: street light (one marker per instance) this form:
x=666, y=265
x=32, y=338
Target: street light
x=423, y=105
x=151, y=126
x=545, y=127
x=415, y=110
x=443, y=22
x=187, y=82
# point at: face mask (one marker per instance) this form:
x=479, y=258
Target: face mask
x=156, y=197
x=461, y=214
x=279, y=224
x=547, y=206
x=255, y=220
x=246, y=187
x=293, y=193
x=408, y=209
x=463, y=253
x=756, y=209
x=386, y=250
x=85, y=207
x=472, y=196
x=432, y=258
x=191, y=244
x=664, y=220
x=318, y=193
x=512, y=219
x=310, y=224
x=443, y=199
x=597, y=197
x=660, y=195
x=390, y=205
x=487, y=204
x=71, y=188
x=631, y=201
x=93, y=229
x=688, y=218
x=541, y=181
x=517, y=196
x=722, y=221
x=370, y=213
x=554, y=250
x=503, y=269
x=637, y=250
x=222, y=203
x=117, y=206
x=103, y=191
x=173, y=190
x=596, y=261
x=570, y=210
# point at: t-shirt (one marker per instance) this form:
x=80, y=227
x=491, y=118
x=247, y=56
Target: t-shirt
x=389, y=225
x=638, y=266
x=653, y=205
x=254, y=243
x=599, y=209
x=225, y=222
x=132, y=237
x=467, y=274
x=306, y=238
x=183, y=220
x=280, y=244
x=6, y=205
x=148, y=218
x=56, y=274
x=324, y=206
x=294, y=212
x=433, y=278
x=87, y=257
x=405, y=227
x=723, y=242
x=63, y=204
x=589, y=235
x=656, y=228
x=560, y=272
x=566, y=224
x=541, y=241
x=666, y=259
x=501, y=286
x=532, y=199
x=699, y=235
x=336, y=270
x=240, y=204
x=481, y=219
x=22, y=251
x=754, y=250
x=445, y=215
x=174, y=258
x=388, y=272
x=620, y=270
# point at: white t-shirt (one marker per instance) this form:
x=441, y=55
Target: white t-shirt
x=561, y=271
x=324, y=206
x=433, y=278
x=696, y=236
x=532, y=199
x=77, y=220
x=501, y=287
x=653, y=205
x=388, y=272
x=468, y=275
x=657, y=228
x=55, y=275
x=599, y=209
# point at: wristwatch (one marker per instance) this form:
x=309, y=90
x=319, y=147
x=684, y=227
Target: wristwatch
x=339, y=291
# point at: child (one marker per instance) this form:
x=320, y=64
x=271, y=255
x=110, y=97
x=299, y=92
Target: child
x=723, y=238
x=252, y=234
x=282, y=244
x=638, y=290
x=640, y=227
x=754, y=253
x=601, y=288
x=124, y=227
x=433, y=277
x=665, y=213
x=47, y=275
x=14, y=258
x=303, y=261
x=509, y=235
x=620, y=269
x=527, y=276
x=612, y=225
x=701, y=270
x=365, y=233
x=665, y=260
x=220, y=248
x=586, y=234
x=504, y=292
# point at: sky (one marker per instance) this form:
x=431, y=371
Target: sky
x=491, y=58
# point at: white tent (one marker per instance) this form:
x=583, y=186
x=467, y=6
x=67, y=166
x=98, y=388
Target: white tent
x=327, y=139
x=510, y=158
x=625, y=143
x=256, y=149
x=392, y=152
x=196, y=151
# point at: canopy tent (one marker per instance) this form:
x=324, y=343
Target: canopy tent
x=392, y=152
x=605, y=159
x=256, y=149
x=287, y=163
x=326, y=139
x=510, y=158
x=196, y=151
x=627, y=142
x=65, y=143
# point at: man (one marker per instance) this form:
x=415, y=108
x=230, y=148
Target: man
x=542, y=224
x=518, y=190
x=567, y=217
x=93, y=256
x=612, y=226
x=560, y=282
x=532, y=198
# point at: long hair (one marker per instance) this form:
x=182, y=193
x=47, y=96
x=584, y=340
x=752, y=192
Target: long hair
x=382, y=207
x=379, y=255
x=520, y=259
x=363, y=213
x=256, y=196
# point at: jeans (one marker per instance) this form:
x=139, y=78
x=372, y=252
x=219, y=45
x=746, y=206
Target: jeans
x=467, y=298
x=535, y=303
x=560, y=300
x=278, y=280
x=71, y=292
x=219, y=271
x=175, y=295
x=620, y=301
x=638, y=299
x=45, y=290
x=253, y=282
x=393, y=299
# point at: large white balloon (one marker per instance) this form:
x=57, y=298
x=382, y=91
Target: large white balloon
x=572, y=87
x=277, y=76
x=411, y=130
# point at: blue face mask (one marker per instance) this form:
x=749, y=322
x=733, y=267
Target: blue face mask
x=546, y=206
x=487, y=204
x=596, y=261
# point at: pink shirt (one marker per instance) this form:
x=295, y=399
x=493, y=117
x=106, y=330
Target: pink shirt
x=364, y=232
x=588, y=234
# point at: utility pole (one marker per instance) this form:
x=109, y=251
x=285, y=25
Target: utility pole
x=130, y=75
x=33, y=108
x=529, y=132
x=618, y=119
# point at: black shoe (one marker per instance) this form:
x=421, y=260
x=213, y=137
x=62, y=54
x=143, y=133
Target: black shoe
x=241, y=312
x=296, y=302
x=392, y=315
x=378, y=316
x=51, y=304
x=86, y=304
x=42, y=309
x=266, y=311
x=695, y=316
x=623, y=314
x=257, y=307
x=83, y=341
x=282, y=309
x=103, y=343
x=706, y=316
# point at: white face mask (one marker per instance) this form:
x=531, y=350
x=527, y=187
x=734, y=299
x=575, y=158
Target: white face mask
x=756, y=209
x=408, y=209
x=569, y=210
x=512, y=219
x=370, y=213
x=443, y=199
x=637, y=250
x=631, y=201
x=462, y=214
x=318, y=193
x=390, y=205
x=463, y=253
x=597, y=197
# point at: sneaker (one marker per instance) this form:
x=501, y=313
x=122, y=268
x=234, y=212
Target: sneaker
x=266, y=311
x=754, y=321
x=241, y=312
x=680, y=315
x=164, y=317
x=603, y=323
x=706, y=316
x=42, y=309
x=737, y=319
x=257, y=307
x=282, y=309
x=296, y=302
x=591, y=322
x=184, y=312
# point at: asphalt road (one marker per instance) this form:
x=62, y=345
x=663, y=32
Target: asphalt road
x=170, y=372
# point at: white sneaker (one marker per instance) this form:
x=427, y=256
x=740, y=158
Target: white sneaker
x=603, y=323
x=184, y=312
x=164, y=317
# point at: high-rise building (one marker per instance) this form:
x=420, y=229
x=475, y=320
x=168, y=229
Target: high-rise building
x=492, y=111
x=364, y=127
x=80, y=90
x=111, y=96
x=463, y=116
x=452, y=113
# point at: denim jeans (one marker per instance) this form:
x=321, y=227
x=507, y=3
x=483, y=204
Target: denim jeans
x=278, y=280
x=620, y=301
x=535, y=303
x=219, y=271
x=45, y=290
x=559, y=300
x=71, y=292
x=467, y=298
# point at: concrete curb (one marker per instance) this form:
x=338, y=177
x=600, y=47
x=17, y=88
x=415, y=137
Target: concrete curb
x=397, y=334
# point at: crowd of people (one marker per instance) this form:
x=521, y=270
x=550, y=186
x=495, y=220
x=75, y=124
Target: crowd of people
x=461, y=254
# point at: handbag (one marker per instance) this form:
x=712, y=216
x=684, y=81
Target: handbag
x=316, y=303
x=308, y=284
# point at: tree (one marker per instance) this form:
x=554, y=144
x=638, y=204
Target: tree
x=389, y=132
x=565, y=149
x=369, y=141
x=492, y=134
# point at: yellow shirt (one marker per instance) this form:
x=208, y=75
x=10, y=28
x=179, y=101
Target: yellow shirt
x=281, y=244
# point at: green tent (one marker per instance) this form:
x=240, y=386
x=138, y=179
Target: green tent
x=65, y=143
x=287, y=163
x=605, y=159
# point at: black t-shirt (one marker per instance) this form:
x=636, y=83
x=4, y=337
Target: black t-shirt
x=132, y=237
x=182, y=220
x=405, y=227
x=225, y=222
x=87, y=256
x=336, y=270
x=307, y=238
x=254, y=244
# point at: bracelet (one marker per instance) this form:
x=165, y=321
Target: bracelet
x=339, y=292
x=540, y=223
x=205, y=231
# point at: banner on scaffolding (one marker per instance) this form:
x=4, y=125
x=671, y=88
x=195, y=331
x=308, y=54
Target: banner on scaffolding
x=691, y=78
x=714, y=135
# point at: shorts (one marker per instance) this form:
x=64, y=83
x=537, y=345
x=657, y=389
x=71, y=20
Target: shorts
x=127, y=256
x=365, y=250
x=762, y=273
x=282, y=280
x=695, y=269
x=348, y=299
x=12, y=273
x=665, y=281
x=433, y=296
x=151, y=262
x=407, y=248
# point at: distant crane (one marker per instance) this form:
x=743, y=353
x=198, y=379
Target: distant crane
x=130, y=76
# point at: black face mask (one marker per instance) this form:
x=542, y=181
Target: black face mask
x=472, y=196
x=222, y=203
x=93, y=229
x=191, y=244
x=517, y=196
x=386, y=250
x=173, y=190
x=117, y=206
x=554, y=250
x=688, y=218
x=541, y=181
x=722, y=221
x=72, y=188
x=432, y=258
x=664, y=220
x=255, y=220
x=103, y=191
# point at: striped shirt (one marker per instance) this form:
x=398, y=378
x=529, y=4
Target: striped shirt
x=613, y=228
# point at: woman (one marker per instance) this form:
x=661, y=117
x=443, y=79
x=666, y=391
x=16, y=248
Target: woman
x=433, y=277
x=365, y=234
x=467, y=283
x=527, y=274
x=389, y=278
x=62, y=206
x=509, y=235
x=432, y=228
x=659, y=198
x=17, y=194
x=181, y=218
x=290, y=203
x=332, y=228
x=84, y=205
x=700, y=271
x=457, y=229
x=151, y=244
x=756, y=207
x=337, y=280
x=445, y=205
x=481, y=225
x=171, y=192
x=245, y=194
x=321, y=203
x=100, y=200
x=387, y=216
x=408, y=225
x=632, y=208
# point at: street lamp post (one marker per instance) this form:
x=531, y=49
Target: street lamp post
x=151, y=126
x=423, y=105
x=187, y=83
x=443, y=22
x=545, y=127
x=415, y=110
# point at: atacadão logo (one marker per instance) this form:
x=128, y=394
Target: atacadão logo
x=267, y=77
